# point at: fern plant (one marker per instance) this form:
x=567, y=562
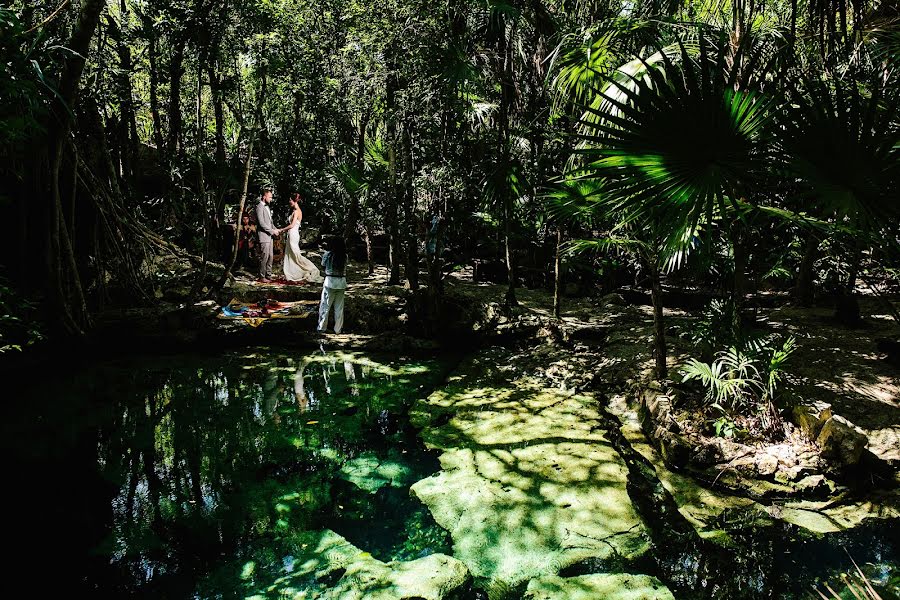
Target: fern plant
x=732, y=380
x=742, y=378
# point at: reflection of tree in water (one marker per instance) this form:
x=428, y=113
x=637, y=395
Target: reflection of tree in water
x=211, y=458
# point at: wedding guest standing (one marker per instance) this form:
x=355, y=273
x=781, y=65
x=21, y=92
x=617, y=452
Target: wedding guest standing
x=246, y=242
x=334, y=263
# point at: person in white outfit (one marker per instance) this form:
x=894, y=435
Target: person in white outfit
x=334, y=263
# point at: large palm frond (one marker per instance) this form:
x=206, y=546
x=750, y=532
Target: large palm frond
x=845, y=148
x=674, y=147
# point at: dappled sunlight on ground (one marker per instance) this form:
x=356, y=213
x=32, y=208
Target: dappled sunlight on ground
x=529, y=482
x=843, y=367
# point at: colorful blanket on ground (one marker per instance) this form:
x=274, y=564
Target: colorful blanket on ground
x=280, y=281
x=255, y=313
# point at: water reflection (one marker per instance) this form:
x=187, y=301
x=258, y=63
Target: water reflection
x=204, y=463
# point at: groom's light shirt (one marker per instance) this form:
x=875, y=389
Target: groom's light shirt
x=264, y=224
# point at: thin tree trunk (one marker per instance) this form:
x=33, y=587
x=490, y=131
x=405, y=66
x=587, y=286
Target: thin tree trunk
x=804, y=290
x=153, y=55
x=352, y=223
x=176, y=72
x=370, y=255
x=201, y=187
x=246, y=185
x=393, y=216
x=659, y=327
x=412, y=246
x=557, y=279
x=240, y=212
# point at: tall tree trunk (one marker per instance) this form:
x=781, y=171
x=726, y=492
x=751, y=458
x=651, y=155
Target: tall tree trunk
x=393, y=216
x=804, y=290
x=208, y=228
x=153, y=57
x=659, y=327
x=412, y=244
x=221, y=174
x=127, y=117
x=61, y=254
x=174, y=144
x=351, y=224
x=246, y=185
x=557, y=278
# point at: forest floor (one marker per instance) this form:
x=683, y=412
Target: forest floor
x=833, y=363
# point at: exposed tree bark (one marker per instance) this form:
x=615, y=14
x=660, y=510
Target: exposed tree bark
x=370, y=255
x=739, y=250
x=176, y=72
x=208, y=226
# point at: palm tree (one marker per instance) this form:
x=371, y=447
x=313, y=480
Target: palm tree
x=683, y=143
x=842, y=145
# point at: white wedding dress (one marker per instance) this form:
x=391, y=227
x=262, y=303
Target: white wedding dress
x=296, y=266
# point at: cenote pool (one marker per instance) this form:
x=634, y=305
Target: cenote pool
x=210, y=476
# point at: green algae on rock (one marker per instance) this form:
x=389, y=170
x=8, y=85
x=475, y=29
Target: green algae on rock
x=331, y=568
x=609, y=586
x=371, y=473
x=529, y=483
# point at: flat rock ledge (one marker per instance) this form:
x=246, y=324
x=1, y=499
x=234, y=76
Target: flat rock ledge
x=335, y=569
x=609, y=586
x=529, y=482
x=715, y=513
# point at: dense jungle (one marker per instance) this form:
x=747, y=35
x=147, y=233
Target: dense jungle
x=456, y=299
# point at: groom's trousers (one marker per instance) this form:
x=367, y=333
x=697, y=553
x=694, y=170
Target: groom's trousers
x=265, y=259
x=331, y=297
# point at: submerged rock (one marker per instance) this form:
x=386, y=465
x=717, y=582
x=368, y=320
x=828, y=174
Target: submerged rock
x=609, y=586
x=332, y=568
x=371, y=473
x=529, y=483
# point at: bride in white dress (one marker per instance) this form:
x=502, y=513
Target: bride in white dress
x=296, y=266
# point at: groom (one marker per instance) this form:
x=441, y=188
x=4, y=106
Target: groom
x=266, y=231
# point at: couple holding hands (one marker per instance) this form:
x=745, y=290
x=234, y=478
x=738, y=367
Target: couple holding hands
x=299, y=268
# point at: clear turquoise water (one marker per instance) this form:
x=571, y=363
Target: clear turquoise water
x=167, y=477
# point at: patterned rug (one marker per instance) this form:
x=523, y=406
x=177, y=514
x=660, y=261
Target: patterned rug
x=254, y=314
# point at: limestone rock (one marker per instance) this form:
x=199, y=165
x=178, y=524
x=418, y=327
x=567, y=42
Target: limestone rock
x=766, y=464
x=529, y=482
x=840, y=440
x=811, y=417
x=609, y=586
x=613, y=299
x=813, y=484
x=331, y=568
x=433, y=577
